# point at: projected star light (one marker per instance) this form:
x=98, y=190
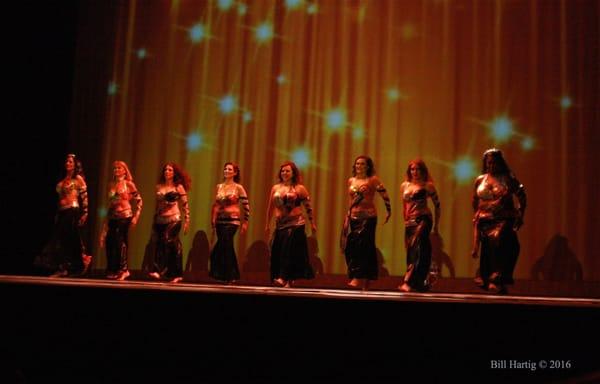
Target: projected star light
x=247, y=117
x=194, y=141
x=141, y=53
x=198, y=33
x=301, y=156
x=394, y=94
x=112, y=88
x=312, y=9
x=242, y=9
x=527, y=143
x=335, y=119
x=227, y=104
x=102, y=212
x=281, y=79
x=566, y=102
x=501, y=129
x=293, y=4
x=358, y=133
x=264, y=32
x=464, y=170
x=224, y=5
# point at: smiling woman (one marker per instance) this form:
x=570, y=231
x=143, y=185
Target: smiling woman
x=120, y=218
x=171, y=193
x=358, y=234
x=229, y=211
x=65, y=253
x=289, y=247
x=418, y=220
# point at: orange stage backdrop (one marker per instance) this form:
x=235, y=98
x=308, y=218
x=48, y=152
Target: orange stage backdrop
x=322, y=81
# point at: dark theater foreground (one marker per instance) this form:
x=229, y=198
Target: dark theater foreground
x=103, y=331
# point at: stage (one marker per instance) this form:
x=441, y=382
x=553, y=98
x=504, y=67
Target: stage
x=124, y=80
x=307, y=291
x=98, y=330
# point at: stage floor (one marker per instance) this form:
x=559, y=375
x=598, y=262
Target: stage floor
x=96, y=330
x=311, y=292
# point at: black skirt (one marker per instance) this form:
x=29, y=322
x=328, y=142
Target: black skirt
x=289, y=254
x=418, y=252
x=499, y=250
x=169, y=251
x=223, y=261
x=360, y=251
x=117, y=240
x=65, y=249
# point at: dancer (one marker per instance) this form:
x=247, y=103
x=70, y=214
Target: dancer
x=66, y=251
x=120, y=218
x=289, y=249
x=358, y=233
x=496, y=221
x=415, y=191
x=171, y=193
x=230, y=211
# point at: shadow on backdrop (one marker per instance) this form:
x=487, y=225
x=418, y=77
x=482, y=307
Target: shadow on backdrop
x=439, y=258
x=382, y=270
x=149, y=252
x=313, y=255
x=197, y=260
x=44, y=263
x=559, y=262
x=257, y=258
